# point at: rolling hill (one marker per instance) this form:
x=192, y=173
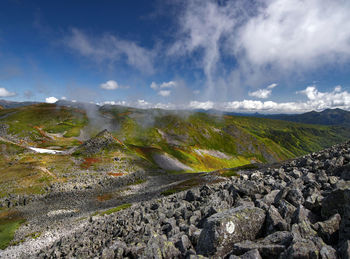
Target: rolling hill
x=325, y=117
x=199, y=141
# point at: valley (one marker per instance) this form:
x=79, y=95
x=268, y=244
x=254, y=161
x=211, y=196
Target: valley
x=64, y=165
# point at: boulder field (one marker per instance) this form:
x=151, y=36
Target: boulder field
x=297, y=209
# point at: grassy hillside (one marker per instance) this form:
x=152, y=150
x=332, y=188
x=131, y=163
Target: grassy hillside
x=200, y=141
x=39, y=124
x=327, y=117
x=192, y=137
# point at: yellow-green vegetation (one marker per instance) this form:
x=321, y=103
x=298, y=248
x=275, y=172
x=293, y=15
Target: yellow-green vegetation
x=34, y=235
x=203, y=142
x=116, y=209
x=39, y=121
x=241, y=139
x=30, y=173
x=10, y=221
x=137, y=182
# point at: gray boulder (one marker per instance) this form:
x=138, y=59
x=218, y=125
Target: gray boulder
x=224, y=229
x=302, y=248
x=329, y=229
x=265, y=250
x=159, y=247
x=295, y=197
x=335, y=202
x=252, y=254
x=274, y=221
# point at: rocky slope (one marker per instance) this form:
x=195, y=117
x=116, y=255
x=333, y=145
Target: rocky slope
x=298, y=209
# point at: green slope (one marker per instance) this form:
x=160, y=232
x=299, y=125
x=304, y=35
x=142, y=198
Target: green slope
x=243, y=139
x=201, y=141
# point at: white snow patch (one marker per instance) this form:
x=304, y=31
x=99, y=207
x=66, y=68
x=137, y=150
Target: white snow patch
x=45, y=151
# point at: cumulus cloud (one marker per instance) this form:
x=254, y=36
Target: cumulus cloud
x=111, y=49
x=165, y=85
x=251, y=42
x=263, y=93
x=201, y=105
x=110, y=85
x=51, y=99
x=297, y=33
x=316, y=100
x=5, y=93
x=169, y=84
x=322, y=100
x=164, y=93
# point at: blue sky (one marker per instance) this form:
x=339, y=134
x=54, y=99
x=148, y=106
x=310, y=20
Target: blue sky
x=267, y=56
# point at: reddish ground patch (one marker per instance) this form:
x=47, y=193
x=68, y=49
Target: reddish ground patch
x=115, y=174
x=89, y=161
x=121, y=143
x=104, y=197
x=124, y=114
x=41, y=132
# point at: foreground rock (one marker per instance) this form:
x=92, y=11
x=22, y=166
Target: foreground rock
x=222, y=230
x=300, y=209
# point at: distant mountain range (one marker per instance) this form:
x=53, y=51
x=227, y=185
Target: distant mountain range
x=11, y=104
x=327, y=117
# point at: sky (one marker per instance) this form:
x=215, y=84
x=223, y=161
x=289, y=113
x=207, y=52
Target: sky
x=267, y=56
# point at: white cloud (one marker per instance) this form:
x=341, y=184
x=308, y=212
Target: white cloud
x=316, y=100
x=110, y=85
x=201, y=105
x=271, y=86
x=6, y=93
x=154, y=86
x=322, y=100
x=266, y=40
x=169, y=84
x=297, y=33
x=51, y=99
x=164, y=93
x=63, y=98
x=164, y=85
x=263, y=93
x=143, y=104
x=123, y=103
x=111, y=49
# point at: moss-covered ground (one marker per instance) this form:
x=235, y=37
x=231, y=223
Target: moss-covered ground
x=10, y=221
